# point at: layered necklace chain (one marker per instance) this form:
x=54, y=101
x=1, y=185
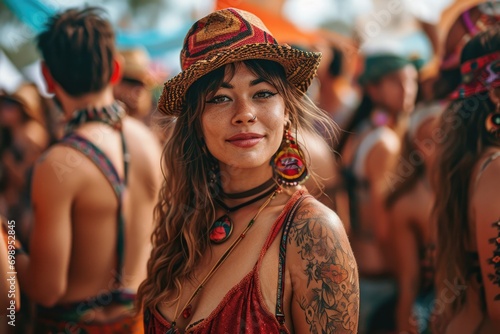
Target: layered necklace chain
x=186, y=310
x=222, y=227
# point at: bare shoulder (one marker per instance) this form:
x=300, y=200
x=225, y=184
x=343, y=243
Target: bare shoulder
x=386, y=143
x=383, y=153
x=61, y=163
x=486, y=216
x=314, y=212
x=59, y=173
x=138, y=130
x=323, y=270
x=485, y=196
x=318, y=235
x=141, y=140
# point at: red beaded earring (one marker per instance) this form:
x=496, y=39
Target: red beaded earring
x=289, y=163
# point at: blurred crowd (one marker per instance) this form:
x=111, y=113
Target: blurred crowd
x=379, y=173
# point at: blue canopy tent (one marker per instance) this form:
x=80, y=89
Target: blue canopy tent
x=35, y=13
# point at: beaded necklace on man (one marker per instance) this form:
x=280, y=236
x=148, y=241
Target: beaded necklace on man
x=111, y=115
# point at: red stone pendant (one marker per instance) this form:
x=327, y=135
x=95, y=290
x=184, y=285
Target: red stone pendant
x=187, y=312
x=221, y=230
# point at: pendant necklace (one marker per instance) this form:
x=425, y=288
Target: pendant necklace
x=186, y=310
x=222, y=228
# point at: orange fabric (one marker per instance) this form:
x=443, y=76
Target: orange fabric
x=283, y=30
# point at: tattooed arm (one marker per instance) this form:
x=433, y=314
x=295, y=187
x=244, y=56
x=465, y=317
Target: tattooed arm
x=325, y=293
x=486, y=215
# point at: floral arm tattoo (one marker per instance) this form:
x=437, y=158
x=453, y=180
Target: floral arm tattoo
x=331, y=299
x=495, y=259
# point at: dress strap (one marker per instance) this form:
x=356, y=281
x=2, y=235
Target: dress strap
x=280, y=314
x=104, y=164
x=278, y=224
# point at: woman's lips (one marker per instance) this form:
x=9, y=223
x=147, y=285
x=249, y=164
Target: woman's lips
x=245, y=139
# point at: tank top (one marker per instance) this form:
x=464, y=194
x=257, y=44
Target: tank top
x=243, y=310
x=355, y=175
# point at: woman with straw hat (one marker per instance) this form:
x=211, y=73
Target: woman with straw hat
x=239, y=245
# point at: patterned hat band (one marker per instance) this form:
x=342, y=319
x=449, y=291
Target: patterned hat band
x=232, y=35
x=479, y=75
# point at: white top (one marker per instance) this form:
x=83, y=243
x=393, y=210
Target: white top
x=377, y=135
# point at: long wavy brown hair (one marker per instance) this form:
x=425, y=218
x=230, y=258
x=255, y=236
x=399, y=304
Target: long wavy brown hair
x=465, y=140
x=186, y=209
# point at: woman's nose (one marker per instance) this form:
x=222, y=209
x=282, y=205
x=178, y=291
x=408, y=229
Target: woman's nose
x=244, y=113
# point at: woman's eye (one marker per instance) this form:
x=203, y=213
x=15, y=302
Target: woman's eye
x=265, y=94
x=218, y=99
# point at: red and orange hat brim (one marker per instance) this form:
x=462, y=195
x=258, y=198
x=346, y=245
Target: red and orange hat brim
x=227, y=36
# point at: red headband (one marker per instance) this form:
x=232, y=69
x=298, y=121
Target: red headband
x=479, y=75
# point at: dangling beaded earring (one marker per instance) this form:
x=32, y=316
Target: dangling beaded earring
x=493, y=122
x=213, y=175
x=288, y=163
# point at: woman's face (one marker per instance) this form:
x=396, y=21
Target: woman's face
x=243, y=121
x=396, y=91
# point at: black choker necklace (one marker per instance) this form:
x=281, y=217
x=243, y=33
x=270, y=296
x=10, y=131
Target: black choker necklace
x=250, y=192
x=222, y=228
x=111, y=115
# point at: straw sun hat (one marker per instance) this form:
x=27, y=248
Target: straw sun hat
x=137, y=66
x=28, y=97
x=226, y=36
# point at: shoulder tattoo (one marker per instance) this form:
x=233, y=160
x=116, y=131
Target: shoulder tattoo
x=331, y=300
x=495, y=259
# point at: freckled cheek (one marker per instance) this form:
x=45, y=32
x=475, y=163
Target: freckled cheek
x=211, y=128
x=275, y=131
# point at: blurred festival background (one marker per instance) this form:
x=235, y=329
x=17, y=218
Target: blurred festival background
x=158, y=26
x=149, y=36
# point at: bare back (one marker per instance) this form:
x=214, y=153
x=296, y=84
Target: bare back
x=481, y=307
x=92, y=255
x=371, y=157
